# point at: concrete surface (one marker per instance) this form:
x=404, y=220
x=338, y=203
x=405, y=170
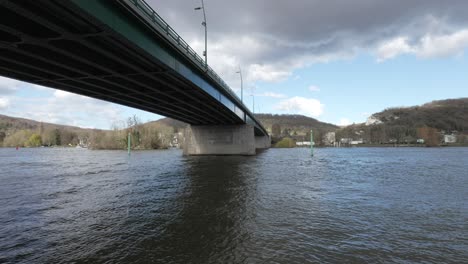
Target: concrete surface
x=220, y=140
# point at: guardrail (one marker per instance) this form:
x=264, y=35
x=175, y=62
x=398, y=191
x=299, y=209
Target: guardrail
x=163, y=25
x=199, y=61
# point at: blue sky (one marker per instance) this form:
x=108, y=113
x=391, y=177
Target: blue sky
x=340, y=72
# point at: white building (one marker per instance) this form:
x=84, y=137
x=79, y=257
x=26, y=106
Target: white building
x=356, y=142
x=329, y=138
x=450, y=138
x=346, y=140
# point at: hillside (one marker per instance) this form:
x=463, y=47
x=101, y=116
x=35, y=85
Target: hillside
x=448, y=115
x=393, y=125
x=8, y=123
x=22, y=132
x=294, y=126
x=15, y=131
x=407, y=124
x=166, y=121
x=297, y=124
x=294, y=122
x=18, y=131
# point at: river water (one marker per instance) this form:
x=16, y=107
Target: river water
x=359, y=205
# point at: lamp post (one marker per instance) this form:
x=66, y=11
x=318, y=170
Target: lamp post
x=242, y=84
x=253, y=103
x=205, y=53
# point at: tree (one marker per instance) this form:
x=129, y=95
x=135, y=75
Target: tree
x=34, y=141
x=286, y=143
x=18, y=138
x=430, y=136
x=58, y=138
x=2, y=136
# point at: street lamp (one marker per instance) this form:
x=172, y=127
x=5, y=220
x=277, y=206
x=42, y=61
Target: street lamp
x=205, y=53
x=242, y=84
x=253, y=102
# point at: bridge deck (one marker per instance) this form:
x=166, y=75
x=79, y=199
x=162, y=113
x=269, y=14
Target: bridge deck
x=116, y=58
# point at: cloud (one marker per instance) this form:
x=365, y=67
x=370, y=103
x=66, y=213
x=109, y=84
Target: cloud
x=63, y=94
x=4, y=103
x=267, y=73
x=300, y=105
x=271, y=94
x=344, y=122
x=393, y=48
x=269, y=46
x=66, y=108
x=314, y=88
x=8, y=86
x=428, y=46
x=443, y=45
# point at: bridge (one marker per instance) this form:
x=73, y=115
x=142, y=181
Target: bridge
x=123, y=52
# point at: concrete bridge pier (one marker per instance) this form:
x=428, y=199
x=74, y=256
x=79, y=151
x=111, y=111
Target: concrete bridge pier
x=222, y=140
x=262, y=142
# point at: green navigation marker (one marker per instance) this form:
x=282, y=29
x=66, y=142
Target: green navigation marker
x=129, y=143
x=311, y=143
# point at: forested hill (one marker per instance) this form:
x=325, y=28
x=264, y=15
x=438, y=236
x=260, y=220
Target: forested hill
x=407, y=124
x=298, y=121
x=293, y=125
x=448, y=115
x=8, y=123
x=15, y=131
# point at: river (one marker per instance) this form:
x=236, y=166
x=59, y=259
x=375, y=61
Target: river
x=359, y=205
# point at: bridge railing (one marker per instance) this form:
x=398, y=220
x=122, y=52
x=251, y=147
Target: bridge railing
x=163, y=26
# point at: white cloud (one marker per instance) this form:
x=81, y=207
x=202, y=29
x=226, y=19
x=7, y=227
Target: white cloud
x=344, y=122
x=428, y=46
x=63, y=94
x=301, y=105
x=8, y=86
x=267, y=73
x=443, y=45
x=4, y=103
x=68, y=109
x=271, y=94
x=393, y=48
x=314, y=88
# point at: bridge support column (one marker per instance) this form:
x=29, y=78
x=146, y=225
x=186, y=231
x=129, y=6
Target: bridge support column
x=262, y=142
x=219, y=140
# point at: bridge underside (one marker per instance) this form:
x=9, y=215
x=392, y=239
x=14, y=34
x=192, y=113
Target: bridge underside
x=55, y=44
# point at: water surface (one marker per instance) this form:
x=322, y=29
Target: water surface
x=373, y=205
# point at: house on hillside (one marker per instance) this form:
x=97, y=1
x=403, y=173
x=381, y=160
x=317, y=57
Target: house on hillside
x=450, y=138
x=329, y=138
x=302, y=143
x=357, y=142
x=346, y=140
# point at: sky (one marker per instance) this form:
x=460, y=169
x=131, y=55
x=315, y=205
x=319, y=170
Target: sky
x=337, y=61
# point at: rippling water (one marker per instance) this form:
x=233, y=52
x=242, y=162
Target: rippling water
x=282, y=206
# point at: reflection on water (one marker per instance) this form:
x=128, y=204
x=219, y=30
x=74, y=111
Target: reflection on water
x=282, y=206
